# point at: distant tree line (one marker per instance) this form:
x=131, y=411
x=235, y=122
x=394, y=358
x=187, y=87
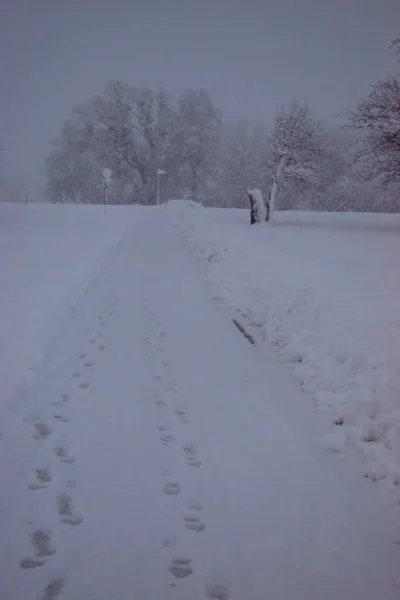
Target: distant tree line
x=297, y=161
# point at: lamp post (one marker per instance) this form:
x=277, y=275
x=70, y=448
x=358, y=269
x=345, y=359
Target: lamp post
x=159, y=172
x=107, y=173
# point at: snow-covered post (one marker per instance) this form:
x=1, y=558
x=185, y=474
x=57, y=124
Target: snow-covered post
x=63, y=197
x=159, y=172
x=107, y=174
x=259, y=209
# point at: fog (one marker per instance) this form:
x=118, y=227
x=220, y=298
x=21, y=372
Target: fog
x=251, y=55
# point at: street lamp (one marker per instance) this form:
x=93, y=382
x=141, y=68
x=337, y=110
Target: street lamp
x=159, y=172
x=107, y=173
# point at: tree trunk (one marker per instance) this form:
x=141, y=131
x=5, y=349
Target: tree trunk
x=272, y=197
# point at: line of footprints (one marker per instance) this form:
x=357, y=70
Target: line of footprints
x=181, y=566
x=41, y=539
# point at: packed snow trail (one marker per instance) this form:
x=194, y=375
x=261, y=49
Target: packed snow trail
x=158, y=456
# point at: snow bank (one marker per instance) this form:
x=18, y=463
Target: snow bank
x=47, y=255
x=322, y=290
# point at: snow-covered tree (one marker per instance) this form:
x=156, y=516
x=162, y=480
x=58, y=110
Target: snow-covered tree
x=71, y=165
x=195, y=144
x=377, y=120
x=298, y=146
x=242, y=160
x=126, y=129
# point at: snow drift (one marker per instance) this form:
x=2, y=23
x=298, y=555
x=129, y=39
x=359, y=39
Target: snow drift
x=322, y=290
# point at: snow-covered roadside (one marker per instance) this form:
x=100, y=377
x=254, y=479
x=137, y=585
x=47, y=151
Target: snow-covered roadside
x=47, y=254
x=321, y=288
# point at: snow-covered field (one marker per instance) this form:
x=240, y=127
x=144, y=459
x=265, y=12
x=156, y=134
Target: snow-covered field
x=147, y=450
x=48, y=254
x=323, y=290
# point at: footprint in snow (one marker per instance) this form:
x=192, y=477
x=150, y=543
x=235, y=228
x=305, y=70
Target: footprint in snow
x=41, y=541
x=180, y=413
x=193, y=462
x=172, y=488
x=63, y=399
x=191, y=457
x=53, y=589
x=88, y=364
x=66, y=510
x=101, y=347
x=76, y=374
x=31, y=563
x=189, y=449
x=92, y=340
x=43, y=478
x=217, y=592
x=193, y=523
x=82, y=356
x=84, y=385
x=60, y=418
x=63, y=455
x=181, y=567
x=42, y=431
x=167, y=439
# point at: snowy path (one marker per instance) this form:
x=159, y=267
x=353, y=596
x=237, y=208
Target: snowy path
x=157, y=456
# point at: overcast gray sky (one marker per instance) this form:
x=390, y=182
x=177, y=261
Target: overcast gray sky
x=250, y=54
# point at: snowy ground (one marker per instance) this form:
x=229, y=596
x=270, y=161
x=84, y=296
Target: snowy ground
x=48, y=254
x=322, y=290
x=155, y=453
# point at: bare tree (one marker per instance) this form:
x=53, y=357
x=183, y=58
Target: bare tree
x=298, y=146
x=377, y=119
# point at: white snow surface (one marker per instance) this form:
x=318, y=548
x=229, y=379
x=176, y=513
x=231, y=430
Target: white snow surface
x=322, y=290
x=155, y=453
x=48, y=254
